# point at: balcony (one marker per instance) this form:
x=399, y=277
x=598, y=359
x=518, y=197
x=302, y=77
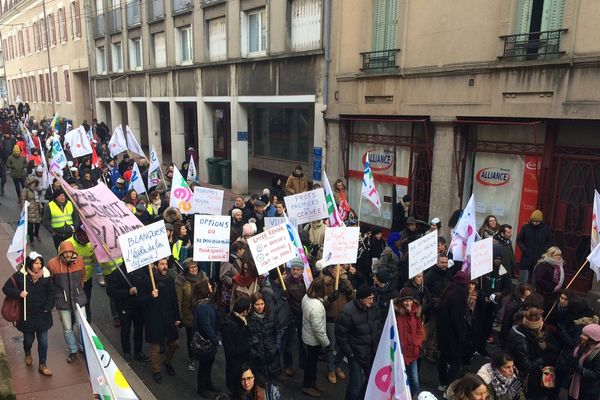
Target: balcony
x=114, y=21
x=156, y=10
x=134, y=13
x=98, y=26
x=181, y=6
x=533, y=45
x=382, y=61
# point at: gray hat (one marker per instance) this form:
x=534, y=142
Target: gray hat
x=411, y=220
x=297, y=263
x=259, y=203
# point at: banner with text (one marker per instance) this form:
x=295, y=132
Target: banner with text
x=211, y=237
x=270, y=222
x=422, y=254
x=207, y=201
x=482, y=257
x=271, y=248
x=308, y=206
x=145, y=245
x=341, y=245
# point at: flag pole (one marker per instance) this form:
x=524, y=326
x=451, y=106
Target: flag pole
x=568, y=286
x=25, y=205
x=359, y=208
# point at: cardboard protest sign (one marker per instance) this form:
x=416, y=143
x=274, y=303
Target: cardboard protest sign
x=211, y=237
x=422, y=254
x=104, y=218
x=271, y=248
x=341, y=245
x=207, y=201
x=145, y=245
x=482, y=260
x=306, y=207
x=274, y=221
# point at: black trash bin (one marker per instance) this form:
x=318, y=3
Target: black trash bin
x=214, y=170
x=226, y=173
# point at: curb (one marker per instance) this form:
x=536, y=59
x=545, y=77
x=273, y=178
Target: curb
x=6, y=390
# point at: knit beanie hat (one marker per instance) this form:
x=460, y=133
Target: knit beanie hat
x=296, y=263
x=320, y=265
x=235, y=211
x=249, y=229
x=592, y=331
x=363, y=292
x=536, y=216
x=406, y=294
x=57, y=193
x=384, y=275
x=16, y=150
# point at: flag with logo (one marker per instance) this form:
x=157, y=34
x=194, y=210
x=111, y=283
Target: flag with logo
x=369, y=191
x=16, y=250
x=58, y=159
x=108, y=382
x=388, y=378
x=192, y=173
x=295, y=238
x=136, y=182
x=27, y=136
x=465, y=234
x=132, y=143
x=335, y=219
x=181, y=194
x=117, y=144
x=78, y=142
x=55, y=124
x=153, y=170
x=595, y=237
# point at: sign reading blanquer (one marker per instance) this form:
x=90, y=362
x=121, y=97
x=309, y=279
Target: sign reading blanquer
x=211, y=237
x=271, y=248
x=145, y=245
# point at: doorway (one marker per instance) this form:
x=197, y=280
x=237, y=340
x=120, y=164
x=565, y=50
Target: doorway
x=221, y=124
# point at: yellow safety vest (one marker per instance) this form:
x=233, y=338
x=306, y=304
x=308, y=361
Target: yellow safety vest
x=60, y=218
x=150, y=210
x=177, y=249
x=109, y=267
x=87, y=252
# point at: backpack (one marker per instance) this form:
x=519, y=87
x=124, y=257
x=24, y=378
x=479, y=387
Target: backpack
x=11, y=308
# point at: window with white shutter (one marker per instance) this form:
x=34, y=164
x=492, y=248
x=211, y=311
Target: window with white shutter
x=306, y=24
x=160, y=49
x=217, y=39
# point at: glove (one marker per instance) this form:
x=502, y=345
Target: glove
x=493, y=298
x=333, y=296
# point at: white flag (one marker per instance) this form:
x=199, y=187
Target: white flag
x=595, y=239
x=335, y=219
x=388, y=379
x=136, y=182
x=78, y=142
x=107, y=380
x=153, y=170
x=465, y=234
x=192, y=174
x=117, y=143
x=16, y=250
x=181, y=194
x=45, y=174
x=369, y=191
x=58, y=160
x=132, y=143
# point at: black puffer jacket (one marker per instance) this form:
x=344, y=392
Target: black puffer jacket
x=451, y=321
x=533, y=242
x=357, y=332
x=262, y=338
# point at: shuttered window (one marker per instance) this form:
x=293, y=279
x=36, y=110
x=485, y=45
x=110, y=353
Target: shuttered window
x=160, y=49
x=552, y=15
x=385, y=24
x=306, y=24
x=217, y=39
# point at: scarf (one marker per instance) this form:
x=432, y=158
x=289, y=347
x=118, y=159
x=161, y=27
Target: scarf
x=245, y=281
x=191, y=277
x=241, y=317
x=35, y=276
x=558, y=276
x=392, y=239
x=500, y=238
x=503, y=385
x=533, y=325
x=576, y=381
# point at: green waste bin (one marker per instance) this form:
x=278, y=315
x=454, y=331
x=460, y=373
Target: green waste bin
x=214, y=171
x=226, y=173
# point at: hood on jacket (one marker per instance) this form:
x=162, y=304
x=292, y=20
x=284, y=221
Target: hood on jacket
x=486, y=373
x=16, y=150
x=64, y=247
x=583, y=321
x=45, y=271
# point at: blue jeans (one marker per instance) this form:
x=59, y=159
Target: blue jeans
x=42, y=337
x=356, y=381
x=65, y=318
x=412, y=372
x=331, y=356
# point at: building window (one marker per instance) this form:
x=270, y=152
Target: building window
x=254, y=33
x=21, y=44
x=75, y=19
x=100, y=60
x=385, y=24
x=539, y=15
x=43, y=36
x=135, y=54
x=36, y=37
x=51, y=29
x=217, y=39
x=117, y=57
x=62, y=25
x=183, y=53
x=67, y=86
x=27, y=41
x=34, y=96
x=160, y=49
x=42, y=89
x=306, y=24
x=48, y=88
x=56, y=91
x=283, y=132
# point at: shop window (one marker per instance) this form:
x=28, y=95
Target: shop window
x=217, y=39
x=306, y=24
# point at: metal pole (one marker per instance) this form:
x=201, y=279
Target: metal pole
x=48, y=54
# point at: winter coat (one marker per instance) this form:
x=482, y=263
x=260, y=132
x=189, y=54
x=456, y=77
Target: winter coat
x=17, y=166
x=118, y=289
x=205, y=321
x=64, y=231
x=296, y=289
x=357, y=332
x=234, y=335
x=263, y=338
x=452, y=322
x=589, y=388
x=437, y=280
x=399, y=219
x=68, y=279
x=40, y=300
x=229, y=269
x=423, y=297
x=6, y=147
x=410, y=329
x=508, y=320
x=296, y=184
x=185, y=291
x=533, y=242
x=508, y=254
x=313, y=322
x=543, y=274
x=34, y=211
x=388, y=260
x=492, y=282
x=346, y=294
x=486, y=373
x=160, y=312
x=383, y=296
x=277, y=302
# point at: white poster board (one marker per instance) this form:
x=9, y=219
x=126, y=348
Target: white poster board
x=270, y=222
x=207, y=201
x=482, y=257
x=341, y=245
x=271, y=248
x=308, y=206
x=211, y=237
x=422, y=254
x=144, y=245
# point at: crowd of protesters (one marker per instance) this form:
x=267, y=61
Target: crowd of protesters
x=271, y=326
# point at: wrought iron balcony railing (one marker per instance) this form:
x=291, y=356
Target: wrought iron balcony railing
x=532, y=45
x=114, y=21
x=134, y=13
x=98, y=26
x=181, y=6
x=156, y=10
x=379, y=60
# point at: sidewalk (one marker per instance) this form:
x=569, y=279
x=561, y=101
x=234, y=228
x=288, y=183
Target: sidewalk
x=69, y=380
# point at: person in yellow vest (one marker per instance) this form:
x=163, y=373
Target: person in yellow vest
x=60, y=217
x=83, y=247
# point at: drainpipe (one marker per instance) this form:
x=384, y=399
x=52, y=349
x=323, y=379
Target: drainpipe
x=90, y=47
x=326, y=60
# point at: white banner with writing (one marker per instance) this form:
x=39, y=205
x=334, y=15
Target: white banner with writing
x=207, y=201
x=308, y=206
x=341, y=245
x=271, y=248
x=422, y=254
x=144, y=245
x=482, y=257
x=211, y=237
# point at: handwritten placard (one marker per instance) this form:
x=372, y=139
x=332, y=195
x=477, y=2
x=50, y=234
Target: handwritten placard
x=270, y=222
x=307, y=206
x=145, y=245
x=482, y=257
x=207, y=201
x=341, y=245
x=211, y=237
x=422, y=254
x=271, y=248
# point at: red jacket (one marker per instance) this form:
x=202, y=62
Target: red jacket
x=410, y=329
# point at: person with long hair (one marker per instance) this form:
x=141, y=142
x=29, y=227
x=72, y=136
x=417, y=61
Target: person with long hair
x=585, y=384
x=549, y=276
x=501, y=377
x=234, y=335
x=469, y=387
x=33, y=283
x=205, y=322
x=250, y=386
x=263, y=335
x=489, y=227
x=246, y=282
